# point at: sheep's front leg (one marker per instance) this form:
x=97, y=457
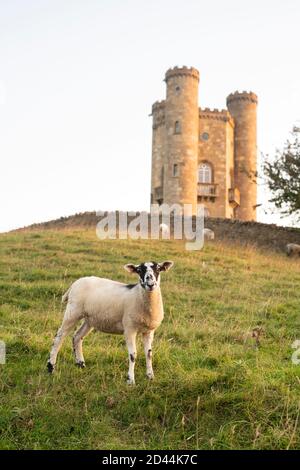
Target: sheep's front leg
x=130, y=337
x=147, y=340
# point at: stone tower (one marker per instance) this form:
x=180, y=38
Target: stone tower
x=243, y=108
x=204, y=156
x=182, y=122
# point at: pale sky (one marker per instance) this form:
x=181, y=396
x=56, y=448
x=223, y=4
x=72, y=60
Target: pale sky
x=78, y=78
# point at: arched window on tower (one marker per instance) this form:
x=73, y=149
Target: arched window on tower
x=205, y=173
x=177, y=128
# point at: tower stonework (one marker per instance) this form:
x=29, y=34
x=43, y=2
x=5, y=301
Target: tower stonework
x=242, y=107
x=216, y=140
x=206, y=155
x=158, y=151
x=182, y=118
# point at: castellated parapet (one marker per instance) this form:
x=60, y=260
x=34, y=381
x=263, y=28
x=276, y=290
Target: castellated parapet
x=204, y=155
x=182, y=72
x=242, y=96
x=218, y=114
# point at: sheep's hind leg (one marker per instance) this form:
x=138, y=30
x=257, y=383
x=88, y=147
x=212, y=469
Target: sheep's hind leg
x=83, y=331
x=62, y=332
x=130, y=337
x=147, y=340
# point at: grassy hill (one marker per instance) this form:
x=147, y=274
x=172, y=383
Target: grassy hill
x=215, y=387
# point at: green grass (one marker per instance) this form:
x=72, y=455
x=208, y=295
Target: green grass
x=213, y=388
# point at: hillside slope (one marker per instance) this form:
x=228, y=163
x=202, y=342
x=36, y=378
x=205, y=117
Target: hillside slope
x=215, y=387
x=261, y=235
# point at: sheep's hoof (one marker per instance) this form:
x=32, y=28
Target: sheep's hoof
x=130, y=381
x=80, y=364
x=150, y=375
x=50, y=367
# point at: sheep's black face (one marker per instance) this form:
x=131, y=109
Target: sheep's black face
x=149, y=273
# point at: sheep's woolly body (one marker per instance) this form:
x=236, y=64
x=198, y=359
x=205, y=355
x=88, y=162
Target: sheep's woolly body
x=164, y=230
x=292, y=249
x=208, y=234
x=109, y=306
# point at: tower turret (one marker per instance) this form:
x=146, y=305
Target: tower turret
x=243, y=108
x=182, y=126
x=158, y=151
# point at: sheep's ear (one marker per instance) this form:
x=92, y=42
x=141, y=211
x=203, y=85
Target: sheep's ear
x=131, y=268
x=165, y=266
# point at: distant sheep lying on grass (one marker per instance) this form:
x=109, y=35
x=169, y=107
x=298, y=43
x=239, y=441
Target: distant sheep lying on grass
x=114, y=307
x=208, y=234
x=292, y=249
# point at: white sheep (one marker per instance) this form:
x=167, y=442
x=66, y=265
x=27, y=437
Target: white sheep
x=208, y=234
x=114, y=307
x=164, y=230
x=292, y=249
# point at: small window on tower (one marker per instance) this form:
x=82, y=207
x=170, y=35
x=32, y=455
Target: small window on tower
x=205, y=136
x=177, y=89
x=175, y=170
x=177, y=129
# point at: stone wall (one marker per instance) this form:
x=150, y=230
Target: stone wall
x=269, y=236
